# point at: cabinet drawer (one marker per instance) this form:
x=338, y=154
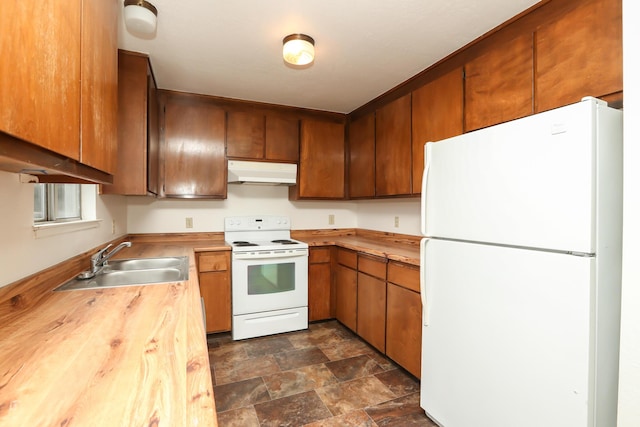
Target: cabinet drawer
x=319, y=255
x=376, y=267
x=348, y=258
x=405, y=275
x=213, y=261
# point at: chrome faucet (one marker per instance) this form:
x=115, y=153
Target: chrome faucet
x=100, y=258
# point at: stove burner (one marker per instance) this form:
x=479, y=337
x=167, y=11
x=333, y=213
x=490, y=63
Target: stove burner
x=244, y=243
x=284, y=242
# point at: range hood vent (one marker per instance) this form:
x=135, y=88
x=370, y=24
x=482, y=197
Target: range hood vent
x=265, y=173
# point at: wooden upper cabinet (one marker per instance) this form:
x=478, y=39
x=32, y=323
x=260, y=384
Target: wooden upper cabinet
x=321, y=171
x=137, y=127
x=193, y=152
x=362, y=148
x=579, y=54
x=282, y=138
x=59, y=78
x=245, y=134
x=499, y=84
x=393, y=148
x=437, y=111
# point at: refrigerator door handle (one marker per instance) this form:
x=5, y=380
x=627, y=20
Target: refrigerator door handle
x=426, y=300
x=423, y=193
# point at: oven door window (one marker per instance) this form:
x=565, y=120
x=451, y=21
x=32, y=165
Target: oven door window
x=271, y=278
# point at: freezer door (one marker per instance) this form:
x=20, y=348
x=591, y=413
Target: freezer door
x=528, y=182
x=508, y=337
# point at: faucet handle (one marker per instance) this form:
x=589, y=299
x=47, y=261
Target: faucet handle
x=101, y=252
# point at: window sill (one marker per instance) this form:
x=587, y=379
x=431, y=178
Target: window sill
x=52, y=229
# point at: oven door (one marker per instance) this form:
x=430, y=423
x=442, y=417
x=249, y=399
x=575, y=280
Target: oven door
x=269, y=281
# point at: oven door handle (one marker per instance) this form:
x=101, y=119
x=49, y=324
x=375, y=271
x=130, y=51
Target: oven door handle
x=271, y=255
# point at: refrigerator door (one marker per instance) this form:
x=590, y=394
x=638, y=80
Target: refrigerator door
x=530, y=182
x=508, y=337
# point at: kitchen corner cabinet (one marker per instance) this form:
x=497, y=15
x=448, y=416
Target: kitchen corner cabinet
x=498, y=84
x=372, y=300
x=437, y=111
x=192, y=155
x=138, y=139
x=214, y=274
x=393, y=148
x=579, y=54
x=59, y=79
x=321, y=174
x=319, y=283
x=362, y=148
x=404, y=316
x=253, y=135
x=346, y=287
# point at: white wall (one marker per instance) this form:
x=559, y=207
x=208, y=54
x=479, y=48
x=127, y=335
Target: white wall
x=380, y=215
x=22, y=254
x=629, y=390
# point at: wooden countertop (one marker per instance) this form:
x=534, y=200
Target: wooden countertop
x=126, y=356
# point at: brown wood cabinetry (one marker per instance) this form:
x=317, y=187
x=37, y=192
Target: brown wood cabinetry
x=319, y=283
x=393, y=148
x=214, y=274
x=346, y=288
x=282, y=138
x=193, y=153
x=499, y=84
x=372, y=300
x=138, y=141
x=404, y=316
x=437, y=111
x=362, y=149
x=59, y=84
x=322, y=165
x=579, y=54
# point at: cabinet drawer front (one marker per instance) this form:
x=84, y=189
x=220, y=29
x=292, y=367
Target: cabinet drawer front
x=348, y=258
x=319, y=255
x=376, y=267
x=405, y=275
x=212, y=261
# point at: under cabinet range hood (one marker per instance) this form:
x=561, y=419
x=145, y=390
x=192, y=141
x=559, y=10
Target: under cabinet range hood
x=265, y=173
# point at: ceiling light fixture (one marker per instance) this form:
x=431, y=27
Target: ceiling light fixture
x=298, y=49
x=140, y=16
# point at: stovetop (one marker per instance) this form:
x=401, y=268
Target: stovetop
x=260, y=233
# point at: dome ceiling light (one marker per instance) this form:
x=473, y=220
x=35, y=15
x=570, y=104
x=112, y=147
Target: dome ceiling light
x=140, y=16
x=298, y=49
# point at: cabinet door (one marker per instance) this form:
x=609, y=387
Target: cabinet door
x=346, y=296
x=436, y=113
x=498, y=84
x=319, y=291
x=282, y=138
x=215, y=289
x=393, y=148
x=404, y=327
x=153, y=135
x=579, y=54
x=321, y=172
x=40, y=69
x=130, y=177
x=372, y=302
x=245, y=134
x=193, y=151
x=362, y=149
x=99, y=76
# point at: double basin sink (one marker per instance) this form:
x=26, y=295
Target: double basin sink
x=132, y=272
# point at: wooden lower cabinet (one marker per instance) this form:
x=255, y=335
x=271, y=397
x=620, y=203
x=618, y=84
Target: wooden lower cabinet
x=404, y=316
x=372, y=300
x=319, y=284
x=346, y=296
x=214, y=274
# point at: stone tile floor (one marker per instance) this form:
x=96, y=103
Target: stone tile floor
x=320, y=377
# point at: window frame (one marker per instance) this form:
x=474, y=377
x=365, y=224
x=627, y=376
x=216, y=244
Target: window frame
x=50, y=208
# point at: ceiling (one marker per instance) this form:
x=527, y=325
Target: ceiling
x=364, y=48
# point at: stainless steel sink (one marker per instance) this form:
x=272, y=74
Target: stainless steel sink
x=133, y=272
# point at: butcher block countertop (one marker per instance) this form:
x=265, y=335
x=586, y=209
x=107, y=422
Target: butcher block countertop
x=126, y=356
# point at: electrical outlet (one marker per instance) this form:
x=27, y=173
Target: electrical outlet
x=332, y=219
x=396, y=222
x=113, y=226
x=189, y=222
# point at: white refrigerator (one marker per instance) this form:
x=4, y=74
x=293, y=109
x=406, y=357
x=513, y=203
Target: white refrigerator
x=520, y=271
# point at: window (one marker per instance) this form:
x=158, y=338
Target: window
x=56, y=203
